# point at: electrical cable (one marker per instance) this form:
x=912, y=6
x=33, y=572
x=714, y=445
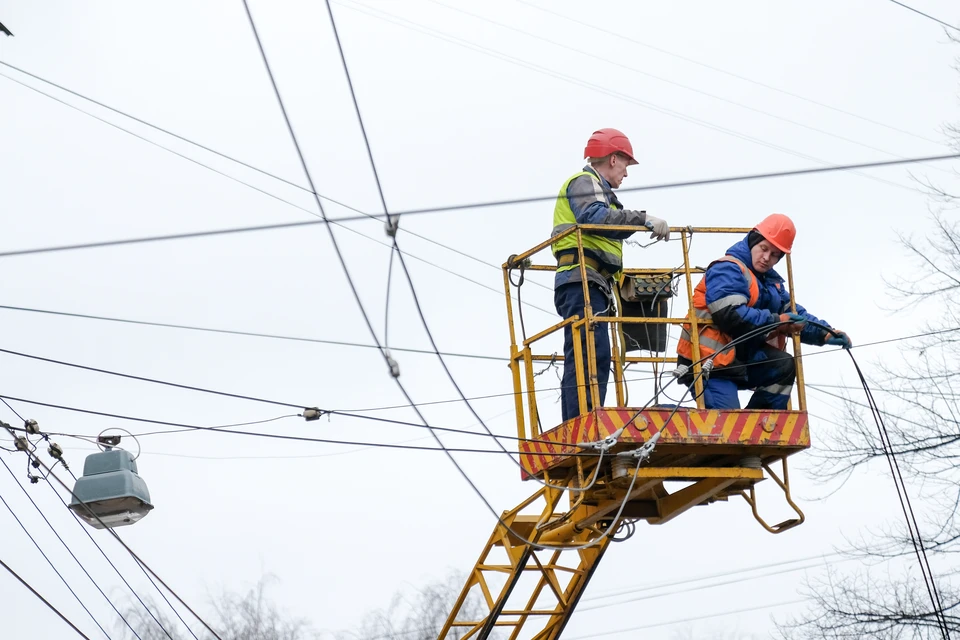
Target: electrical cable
x=272, y=336
x=32, y=456
x=53, y=566
x=275, y=436
x=80, y=564
x=43, y=600
x=906, y=506
x=390, y=363
x=596, y=634
x=607, y=32
x=926, y=15
x=608, y=61
x=247, y=184
x=151, y=380
x=104, y=554
x=598, y=88
x=463, y=207
x=395, y=221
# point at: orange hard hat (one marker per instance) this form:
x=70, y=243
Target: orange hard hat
x=778, y=230
x=603, y=142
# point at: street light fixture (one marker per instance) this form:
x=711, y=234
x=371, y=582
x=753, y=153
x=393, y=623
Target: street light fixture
x=110, y=493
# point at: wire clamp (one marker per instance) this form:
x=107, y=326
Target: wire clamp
x=391, y=225
x=642, y=453
x=602, y=445
x=707, y=369
x=680, y=371
x=394, y=367
x=311, y=413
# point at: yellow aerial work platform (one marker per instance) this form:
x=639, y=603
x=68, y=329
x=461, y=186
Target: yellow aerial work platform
x=611, y=464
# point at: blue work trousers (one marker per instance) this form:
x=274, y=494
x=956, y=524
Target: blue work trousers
x=569, y=301
x=767, y=370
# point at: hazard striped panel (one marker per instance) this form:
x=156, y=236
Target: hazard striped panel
x=776, y=431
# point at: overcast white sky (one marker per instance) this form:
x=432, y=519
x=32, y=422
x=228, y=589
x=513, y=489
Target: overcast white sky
x=458, y=109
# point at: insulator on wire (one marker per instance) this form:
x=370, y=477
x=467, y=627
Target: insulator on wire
x=391, y=225
x=394, y=367
x=680, y=371
x=31, y=426
x=21, y=443
x=313, y=413
x=55, y=451
x=707, y=368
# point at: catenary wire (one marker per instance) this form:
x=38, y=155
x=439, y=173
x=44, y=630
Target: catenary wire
x=390, y=364
x=217, y=153
x=598, y=88
x=35, y=459
x=276, y=436
x=597, y=634
x=462, y=207
x=395, y=220
x=610, y=33
x=167, y=383
x=608, y=61
x=250, y=334
x=247, y=184
x=53, y=566
x=43, y=600
x=77, y=560
x=926, y=15
x=110, y=562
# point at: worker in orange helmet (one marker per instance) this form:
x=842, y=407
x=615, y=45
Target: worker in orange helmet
x=738, y=294
x=587, y=197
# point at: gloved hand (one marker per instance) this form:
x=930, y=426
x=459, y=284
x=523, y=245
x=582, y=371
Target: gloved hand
x=796, y=323
x=660, y=228
x=841, y=339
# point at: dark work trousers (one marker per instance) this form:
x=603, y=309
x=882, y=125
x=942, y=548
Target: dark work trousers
x=568, y=299
x=767, y=370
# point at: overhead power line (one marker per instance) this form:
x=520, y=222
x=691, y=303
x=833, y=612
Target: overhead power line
x=240, y=163
x=926, y=15
x=236, y=332
x=227, y=429
x=609, y=61
x=77, y=560
x=53, y=566
x=612, y=33
x=465, y=206
x=43, y=600
x=750, y=609
x=379, y=14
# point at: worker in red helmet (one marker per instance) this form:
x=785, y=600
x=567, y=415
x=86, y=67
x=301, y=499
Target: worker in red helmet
x=740, y=293
x=587, y=197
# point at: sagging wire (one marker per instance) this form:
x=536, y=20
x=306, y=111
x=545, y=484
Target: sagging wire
x=74, y=556
x=522, y=265
x=52, y=565
x=913, y=528
x=56, y=452
x=43, y=600
x=49, y=473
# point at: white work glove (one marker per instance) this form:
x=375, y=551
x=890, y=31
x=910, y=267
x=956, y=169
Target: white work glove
x=660, y=228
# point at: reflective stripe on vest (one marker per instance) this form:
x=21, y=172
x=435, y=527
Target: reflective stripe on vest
x=607, y=251
x=712, y=340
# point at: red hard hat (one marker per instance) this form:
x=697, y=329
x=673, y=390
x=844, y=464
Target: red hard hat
x=603, y=142
x=778, y=230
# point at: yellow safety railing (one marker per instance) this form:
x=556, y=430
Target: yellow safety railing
x=523, y=354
